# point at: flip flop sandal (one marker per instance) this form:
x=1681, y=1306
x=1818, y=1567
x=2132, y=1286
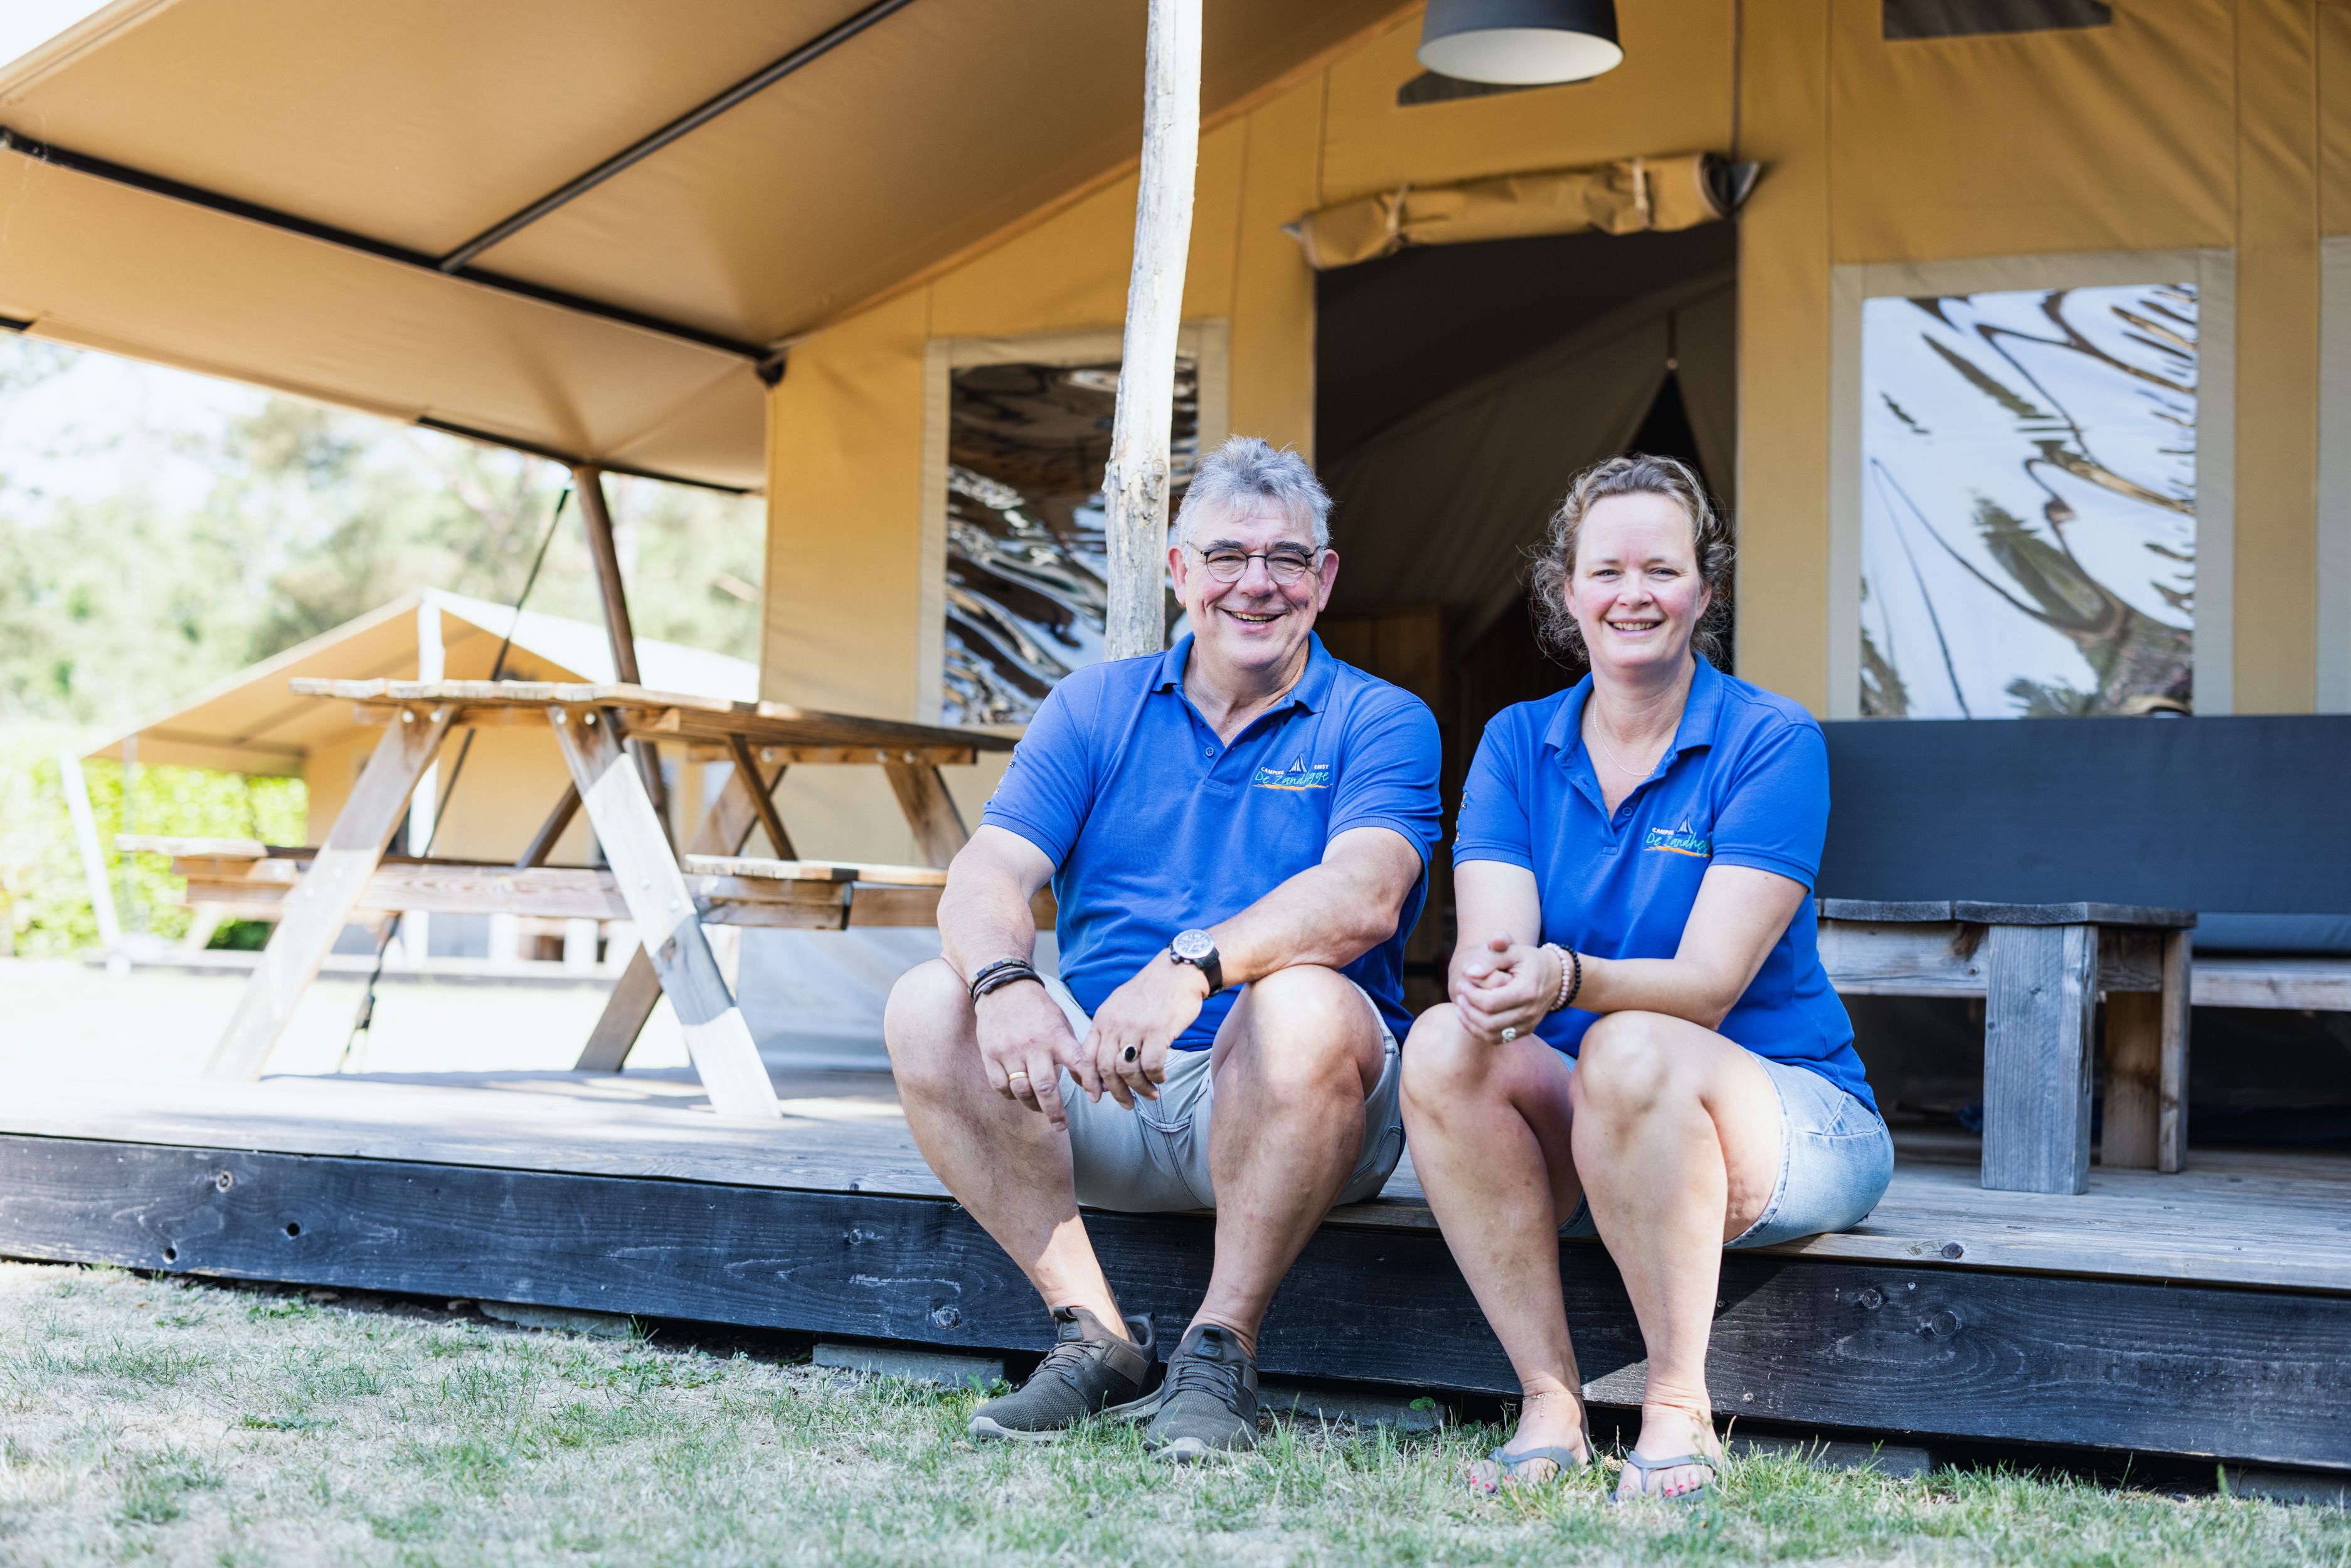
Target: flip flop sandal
x=1645, y=1468
x=1488, y=1476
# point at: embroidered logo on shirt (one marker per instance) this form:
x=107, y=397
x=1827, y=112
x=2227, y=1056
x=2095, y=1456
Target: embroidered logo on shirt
x=1682, y=841
x=1299, y=775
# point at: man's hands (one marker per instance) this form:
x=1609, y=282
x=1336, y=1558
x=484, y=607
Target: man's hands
x=1024, y=1043
x=1508, y=986
x=1126, y=1052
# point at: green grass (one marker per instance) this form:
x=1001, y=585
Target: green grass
x=183, y=1423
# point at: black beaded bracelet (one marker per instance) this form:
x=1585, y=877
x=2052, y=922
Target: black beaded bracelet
x=1002, y=973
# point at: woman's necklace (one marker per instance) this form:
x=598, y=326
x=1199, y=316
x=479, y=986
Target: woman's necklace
x=1610, y=752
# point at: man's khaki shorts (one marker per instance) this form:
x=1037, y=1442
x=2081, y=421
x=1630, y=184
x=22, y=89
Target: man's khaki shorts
x=1154, y=1158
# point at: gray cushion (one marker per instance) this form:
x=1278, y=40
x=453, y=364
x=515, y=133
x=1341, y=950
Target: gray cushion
x=2300, y=934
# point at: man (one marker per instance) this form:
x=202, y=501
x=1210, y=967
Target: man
x=1238, y=835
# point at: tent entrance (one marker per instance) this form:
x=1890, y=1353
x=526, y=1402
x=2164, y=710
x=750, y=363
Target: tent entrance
x=1459, y=388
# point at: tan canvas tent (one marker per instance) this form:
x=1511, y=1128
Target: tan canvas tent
x=295, y=197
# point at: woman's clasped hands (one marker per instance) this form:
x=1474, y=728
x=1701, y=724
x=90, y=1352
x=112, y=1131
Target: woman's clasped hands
x=1504, y=991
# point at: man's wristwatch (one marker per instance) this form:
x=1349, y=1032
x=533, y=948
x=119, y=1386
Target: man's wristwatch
x=1198, y=949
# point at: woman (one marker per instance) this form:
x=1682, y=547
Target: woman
x=1641, y=1040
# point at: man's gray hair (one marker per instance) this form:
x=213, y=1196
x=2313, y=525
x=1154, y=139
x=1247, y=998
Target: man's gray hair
x=1245, y=471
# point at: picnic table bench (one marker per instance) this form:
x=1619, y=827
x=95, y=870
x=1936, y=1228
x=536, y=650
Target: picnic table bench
x=667, y=896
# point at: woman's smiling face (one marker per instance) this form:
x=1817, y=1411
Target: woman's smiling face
x=1637, y=592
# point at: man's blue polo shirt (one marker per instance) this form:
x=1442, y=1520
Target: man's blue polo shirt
x=1155, y=826
x=1745, y=782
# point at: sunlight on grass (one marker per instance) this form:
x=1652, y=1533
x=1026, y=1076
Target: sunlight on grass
x=193, y=1423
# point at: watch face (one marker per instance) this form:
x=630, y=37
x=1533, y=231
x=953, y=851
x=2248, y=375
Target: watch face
x=1194, y=946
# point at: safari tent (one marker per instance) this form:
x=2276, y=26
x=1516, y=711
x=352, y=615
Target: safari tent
x=2015, y=333
x=781, y=297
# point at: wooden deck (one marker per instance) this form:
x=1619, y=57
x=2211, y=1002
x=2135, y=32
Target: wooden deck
x=2205, y=1312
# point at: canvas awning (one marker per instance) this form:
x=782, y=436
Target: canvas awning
x=1627, y=197
x=450, y=213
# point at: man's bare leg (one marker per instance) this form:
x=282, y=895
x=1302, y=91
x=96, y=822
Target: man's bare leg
x=1297, y=1057
x=1491, y=1142
x=1677, y=1132
x=1004, y=1162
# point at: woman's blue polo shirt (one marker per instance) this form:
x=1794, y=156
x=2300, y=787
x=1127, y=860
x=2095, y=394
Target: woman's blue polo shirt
x=1155, y=826
x=1745, y=782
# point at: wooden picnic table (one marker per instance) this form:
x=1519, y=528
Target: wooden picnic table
x=2040, y=968
x=668, y=895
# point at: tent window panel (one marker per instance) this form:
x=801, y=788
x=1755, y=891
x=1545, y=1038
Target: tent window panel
x=1027, y=562
x=1967, y=18
x=2028, y=503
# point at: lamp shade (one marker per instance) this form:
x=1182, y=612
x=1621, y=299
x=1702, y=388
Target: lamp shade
x=1520, y=43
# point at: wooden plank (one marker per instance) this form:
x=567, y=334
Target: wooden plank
x=874, y=904
x=542, y=842
x=626, y=1010
x=1895, y=958
x=550, y=892
x=700, y=719
x=2037, y=1017
x=2134, y=1080
x=638, y=848
x=2130, y=958
x=2255, y=1375
x=327, y=898
x=759, y=868
x=2320, y=985
x=210, y=849
x=620, y=632
x=2191, y=1228
x=930, y=810
x=752, y=778
x=2073, y=915
x=2171, y=1083
x=817, y=870
x=724, y=825
x=869, y=756
x=1890, y=959
x=1885, y=912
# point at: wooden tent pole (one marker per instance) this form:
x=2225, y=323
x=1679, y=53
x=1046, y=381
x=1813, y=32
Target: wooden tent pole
x=589, y=481
x=1136, y=480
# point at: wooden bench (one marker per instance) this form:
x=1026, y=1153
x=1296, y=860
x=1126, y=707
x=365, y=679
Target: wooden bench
x=607, y=735
x=729, y=890
x=2041, y=970
x=2239, y=818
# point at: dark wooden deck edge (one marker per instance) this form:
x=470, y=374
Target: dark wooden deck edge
x=2251, y=1375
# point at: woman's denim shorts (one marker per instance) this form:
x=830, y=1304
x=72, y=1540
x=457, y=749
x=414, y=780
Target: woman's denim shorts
x=1836, y=1158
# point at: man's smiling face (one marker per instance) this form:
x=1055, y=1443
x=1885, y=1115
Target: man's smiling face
x=1254, y=624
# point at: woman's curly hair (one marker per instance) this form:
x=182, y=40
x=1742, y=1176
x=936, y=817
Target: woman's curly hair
x=1634, y=473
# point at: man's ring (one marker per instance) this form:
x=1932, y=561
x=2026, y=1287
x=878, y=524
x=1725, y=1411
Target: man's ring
x=1130, y=1054
x=1508, y=1035
x=1016, y=1077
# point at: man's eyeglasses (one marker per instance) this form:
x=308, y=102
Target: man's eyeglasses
x=1286, y=564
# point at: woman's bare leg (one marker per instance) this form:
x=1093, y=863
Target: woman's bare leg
x=1677, y=1132
x=1488, y=1128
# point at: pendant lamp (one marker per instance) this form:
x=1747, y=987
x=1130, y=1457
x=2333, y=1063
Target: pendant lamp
x=1520, y=43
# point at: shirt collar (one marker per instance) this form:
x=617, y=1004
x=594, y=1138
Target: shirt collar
x=1312, y=690
x=1701, y=710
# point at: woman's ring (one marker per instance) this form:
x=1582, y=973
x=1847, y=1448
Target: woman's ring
x=1130, y=1054
x=1508, y=1035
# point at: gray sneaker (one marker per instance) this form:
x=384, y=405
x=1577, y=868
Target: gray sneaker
x=1089, y=1372
x=1207, y=1405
